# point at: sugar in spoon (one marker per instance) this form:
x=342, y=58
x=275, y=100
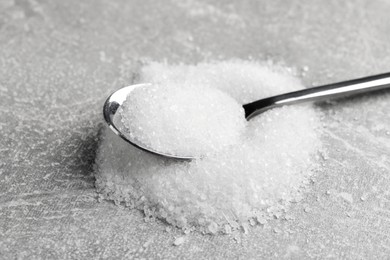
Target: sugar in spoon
x=320, y=93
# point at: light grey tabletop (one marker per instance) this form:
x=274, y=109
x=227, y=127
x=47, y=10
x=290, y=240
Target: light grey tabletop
x=60, y=59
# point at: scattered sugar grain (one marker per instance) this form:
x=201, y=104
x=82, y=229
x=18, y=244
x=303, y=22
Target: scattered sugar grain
x=364, y=196
x=277, y=230
x=289, y=217
x=245, y=228
x=228, y=229
x=213, y=228
x=346, y=197
x=258, y=175
x=178, y=241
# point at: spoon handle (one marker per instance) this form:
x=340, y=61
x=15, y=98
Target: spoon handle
x=335, y=90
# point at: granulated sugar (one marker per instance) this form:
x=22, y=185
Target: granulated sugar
x=246, y=181
x=183, y=119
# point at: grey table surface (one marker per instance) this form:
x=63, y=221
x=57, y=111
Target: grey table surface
x=60, y=59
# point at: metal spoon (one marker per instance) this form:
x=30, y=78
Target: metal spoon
x=335, y=90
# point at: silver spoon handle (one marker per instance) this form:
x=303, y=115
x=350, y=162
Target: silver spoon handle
x=335, y=90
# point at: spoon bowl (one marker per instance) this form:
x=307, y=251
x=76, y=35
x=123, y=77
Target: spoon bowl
x=335, y=90
x=113, y=119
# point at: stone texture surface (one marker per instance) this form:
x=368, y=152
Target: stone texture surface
x=60, y=59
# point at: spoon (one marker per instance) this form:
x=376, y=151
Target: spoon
x=335, y=90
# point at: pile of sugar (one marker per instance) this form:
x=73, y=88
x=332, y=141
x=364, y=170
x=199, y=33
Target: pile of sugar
x=182, y=119
x=242, y=184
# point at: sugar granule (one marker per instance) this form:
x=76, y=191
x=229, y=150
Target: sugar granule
x=251, y=180
x=178, y=241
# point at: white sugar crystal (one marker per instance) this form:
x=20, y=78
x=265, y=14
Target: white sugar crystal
x=254, y=175
x=346, y=196
x=228, y=229
x=178, y=241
